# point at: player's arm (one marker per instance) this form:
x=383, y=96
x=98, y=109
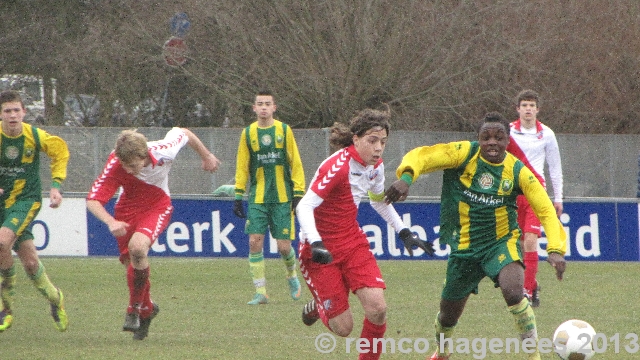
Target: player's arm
x=116, y=227
x=210, y=162
x=57, y=150
x=297, y=171
x=423, y=160
x=242, y=175
x=543, y=208
x=307, y=221
x=552, y=156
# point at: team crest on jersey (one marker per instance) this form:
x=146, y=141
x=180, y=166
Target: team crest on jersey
x=279, y=139
x=28, y=152
x=507, y=185
x=373, y=174
x=266, y=139
x=486, y=181
x=11, y=152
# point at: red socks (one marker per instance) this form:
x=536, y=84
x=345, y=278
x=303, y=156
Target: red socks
x=530, y=271
x=139, y=285
x=371, y=331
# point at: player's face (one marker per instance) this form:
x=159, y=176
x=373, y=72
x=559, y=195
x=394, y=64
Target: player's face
x=264, y=107
x=134, y=167
x=493, y=139
x=371, y=145
x=12, y=114
x=528, y=110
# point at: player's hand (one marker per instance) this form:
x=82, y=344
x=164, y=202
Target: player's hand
x=55, y=197
x=559, y=264
x=238, y=209
x=410, y=240
x=558, y=207
x=320, y=254
x=398, y=191
x=118, y=228
x=210, y=163
x=294, y=203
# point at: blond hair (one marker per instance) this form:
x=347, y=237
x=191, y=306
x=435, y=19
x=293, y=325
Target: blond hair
x=130, y=145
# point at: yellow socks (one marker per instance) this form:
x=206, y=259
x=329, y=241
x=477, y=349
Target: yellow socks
x=290, y=263
x=7, y=287
x=44, y=285
x=256, y=267
x=526, y=324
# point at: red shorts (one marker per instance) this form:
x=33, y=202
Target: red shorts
x=330, y=284
x=151, y=223
x=527, y=219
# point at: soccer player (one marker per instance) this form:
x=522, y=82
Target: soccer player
x=20, y=202
x=534, y=143
x=335, y=255
x=269, y=170
x=143, y=209
x=478, y=215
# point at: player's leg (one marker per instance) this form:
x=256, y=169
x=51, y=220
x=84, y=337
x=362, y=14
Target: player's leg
x=330, y=301
x=7, y=276
x=256, y=227
x=283, y=229
x=511, y=278
x=503, y=264
x=530, y=226
x=138, y=273
x=375, y=320
x=365, y=280
x=462, y=279
x=37, y=273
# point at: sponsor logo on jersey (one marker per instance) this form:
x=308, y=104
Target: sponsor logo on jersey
x=266, y=140
x=485, y=181
x=12, y=152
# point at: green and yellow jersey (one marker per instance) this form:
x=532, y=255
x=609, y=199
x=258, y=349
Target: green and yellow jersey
x=20, y=163
x=268, y=159
x=478, y=200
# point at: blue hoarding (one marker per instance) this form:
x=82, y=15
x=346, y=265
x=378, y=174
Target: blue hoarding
x=597, y=231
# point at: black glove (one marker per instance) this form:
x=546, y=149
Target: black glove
x=320, y=254
x=295, y=202
x=410, y=240
x=238, y=209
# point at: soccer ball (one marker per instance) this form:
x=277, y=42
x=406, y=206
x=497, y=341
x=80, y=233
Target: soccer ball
x=573, y=340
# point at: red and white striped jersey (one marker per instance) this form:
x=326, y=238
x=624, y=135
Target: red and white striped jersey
x=329, y=210
x=151, y=186
x=535, y=146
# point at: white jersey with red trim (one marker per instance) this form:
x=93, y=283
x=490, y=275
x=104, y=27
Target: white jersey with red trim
x=535, y=146
x=151, y=186
x=329, y=210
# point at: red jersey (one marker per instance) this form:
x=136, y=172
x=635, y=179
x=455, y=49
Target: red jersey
x=150, y=188
x=336, y=190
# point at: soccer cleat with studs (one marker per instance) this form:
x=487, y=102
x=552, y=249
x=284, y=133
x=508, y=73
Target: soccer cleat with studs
x=259, y=299
x=5, y=320
x=143, y=330
x=294, y=287
x=310, y=313
x=59, y=315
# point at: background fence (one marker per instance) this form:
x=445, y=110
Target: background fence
x=593, y=165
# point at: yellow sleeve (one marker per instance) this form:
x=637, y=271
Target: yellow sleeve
x=297, y=171
x=242, y=166
x=543, y=208
x=427, y=159
x=57, y=150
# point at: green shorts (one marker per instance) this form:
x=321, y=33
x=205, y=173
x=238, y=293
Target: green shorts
x=18, y=217
x=465, y=269
x=278, y=218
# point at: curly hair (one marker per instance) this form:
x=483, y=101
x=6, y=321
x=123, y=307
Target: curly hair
x=341, y=136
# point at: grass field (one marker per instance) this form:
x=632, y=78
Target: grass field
x=203, y=313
